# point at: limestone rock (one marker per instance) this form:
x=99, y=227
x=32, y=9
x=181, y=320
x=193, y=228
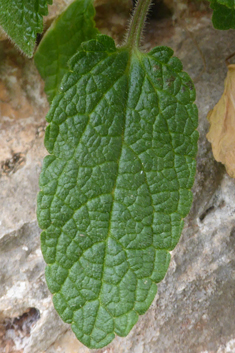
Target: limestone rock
x=194, y=311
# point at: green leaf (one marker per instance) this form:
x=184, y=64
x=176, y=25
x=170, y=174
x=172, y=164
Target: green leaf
x=228, y=3
x=116, y=185
x=74, y=26
x=22, y=20
x=224, y=14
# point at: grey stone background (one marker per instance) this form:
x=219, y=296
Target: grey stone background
x=194, y=310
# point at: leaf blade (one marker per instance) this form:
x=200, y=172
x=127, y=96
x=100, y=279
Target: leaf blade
x=229, y=3
x=22, y=20
x=63, y=39
x=224, y=14
x=122, y=184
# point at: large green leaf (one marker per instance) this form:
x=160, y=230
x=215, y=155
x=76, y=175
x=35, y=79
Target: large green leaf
x=116, y=184
x=224, y=14
x=74, y=26
x=22, y=20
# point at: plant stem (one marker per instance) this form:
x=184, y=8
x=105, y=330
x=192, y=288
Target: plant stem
x=137, y=24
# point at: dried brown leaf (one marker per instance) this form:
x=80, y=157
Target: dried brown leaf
x=222, y=129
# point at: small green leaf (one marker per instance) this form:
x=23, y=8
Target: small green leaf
x=224, y=14
x=22, y=20
x=228, y=3
x=116, y=185
x=74, y=26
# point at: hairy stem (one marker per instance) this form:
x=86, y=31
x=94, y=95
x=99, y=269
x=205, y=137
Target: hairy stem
x=137, y=23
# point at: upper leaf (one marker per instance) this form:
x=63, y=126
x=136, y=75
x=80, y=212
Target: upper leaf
x=74, y=26
x=22, y=20
x=224, y=14
x=116, y=184
x=228, y=3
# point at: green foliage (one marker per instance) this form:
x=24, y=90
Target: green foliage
x=228, y=3
x=74, y=26
x=22, y=20
x=116, y=184
x=224, y=14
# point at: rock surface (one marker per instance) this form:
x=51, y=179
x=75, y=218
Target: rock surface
x=194, y=311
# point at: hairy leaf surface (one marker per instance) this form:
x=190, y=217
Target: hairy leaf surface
x=74, y=26
x=22, y=20
x=116, y=185
x=224, y=14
